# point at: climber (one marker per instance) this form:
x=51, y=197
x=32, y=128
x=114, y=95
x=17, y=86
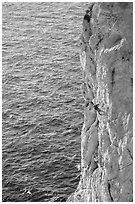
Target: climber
x=96, y=107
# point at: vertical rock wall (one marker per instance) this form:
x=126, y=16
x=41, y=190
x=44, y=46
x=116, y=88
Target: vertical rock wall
x=107, y=134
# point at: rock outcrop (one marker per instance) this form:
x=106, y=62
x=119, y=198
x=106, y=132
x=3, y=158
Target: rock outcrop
x=107, y=135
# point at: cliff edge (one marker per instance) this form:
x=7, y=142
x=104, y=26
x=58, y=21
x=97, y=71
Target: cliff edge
x=107, y=135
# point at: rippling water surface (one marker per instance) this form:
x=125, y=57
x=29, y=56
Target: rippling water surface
x=42, y=106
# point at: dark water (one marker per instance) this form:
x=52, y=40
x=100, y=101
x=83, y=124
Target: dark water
x=42, y=106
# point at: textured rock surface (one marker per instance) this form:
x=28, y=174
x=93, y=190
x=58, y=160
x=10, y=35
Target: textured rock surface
x=107, y=134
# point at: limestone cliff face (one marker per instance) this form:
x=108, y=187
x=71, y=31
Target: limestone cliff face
x=107, y=134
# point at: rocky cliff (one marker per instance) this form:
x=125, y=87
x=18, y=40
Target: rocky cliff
x=107, y=135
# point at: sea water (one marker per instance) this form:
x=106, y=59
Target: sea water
x=42, y=105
